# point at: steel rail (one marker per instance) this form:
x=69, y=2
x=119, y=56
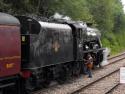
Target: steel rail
x=116, y=56
x=109, y=91
x=83, y=87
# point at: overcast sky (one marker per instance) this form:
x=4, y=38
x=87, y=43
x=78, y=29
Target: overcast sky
x=123, y=1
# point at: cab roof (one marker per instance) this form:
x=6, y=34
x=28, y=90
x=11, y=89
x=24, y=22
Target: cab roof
x=6, y=19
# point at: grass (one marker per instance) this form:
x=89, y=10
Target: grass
x=114, y=41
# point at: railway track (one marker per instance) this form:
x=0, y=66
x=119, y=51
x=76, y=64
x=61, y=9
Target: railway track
x=117, y=58
x=112, y=57
x=109, y=91
x=62, y=89
x=120, y=89
x=94, y=84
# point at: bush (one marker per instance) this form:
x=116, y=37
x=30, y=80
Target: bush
x=114, y=41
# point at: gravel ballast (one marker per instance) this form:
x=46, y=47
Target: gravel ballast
x=82, y=80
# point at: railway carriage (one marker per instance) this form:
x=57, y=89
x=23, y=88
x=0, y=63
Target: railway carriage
x=10, y=52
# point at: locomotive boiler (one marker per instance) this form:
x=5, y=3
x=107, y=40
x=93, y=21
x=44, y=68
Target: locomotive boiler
x=39, y=52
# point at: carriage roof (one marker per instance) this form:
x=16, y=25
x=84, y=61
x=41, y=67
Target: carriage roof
x=6, y=19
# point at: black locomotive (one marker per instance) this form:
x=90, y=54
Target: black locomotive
x=54, y=51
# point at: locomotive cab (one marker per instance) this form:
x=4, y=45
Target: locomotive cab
x=29, y=27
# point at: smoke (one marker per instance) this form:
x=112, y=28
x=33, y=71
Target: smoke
x=59, y=16
x=106, y=52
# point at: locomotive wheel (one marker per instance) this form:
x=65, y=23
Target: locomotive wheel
x=29, y=87
x=46, y=83
x=77, y=69
x=62, y=76
x=48, y=77
x=61, y=80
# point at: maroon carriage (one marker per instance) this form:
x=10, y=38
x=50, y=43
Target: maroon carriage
x=10, y=51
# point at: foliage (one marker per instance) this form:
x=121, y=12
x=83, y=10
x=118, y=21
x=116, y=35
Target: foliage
x=107, y=15
x=114, y=41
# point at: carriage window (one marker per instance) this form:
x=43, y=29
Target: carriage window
x=29, y=26
x=34, y=28
x=24, y=28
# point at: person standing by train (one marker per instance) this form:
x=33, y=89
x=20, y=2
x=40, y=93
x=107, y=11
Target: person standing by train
x=89, y=64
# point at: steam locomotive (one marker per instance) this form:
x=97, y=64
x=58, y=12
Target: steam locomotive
x=33, y=52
